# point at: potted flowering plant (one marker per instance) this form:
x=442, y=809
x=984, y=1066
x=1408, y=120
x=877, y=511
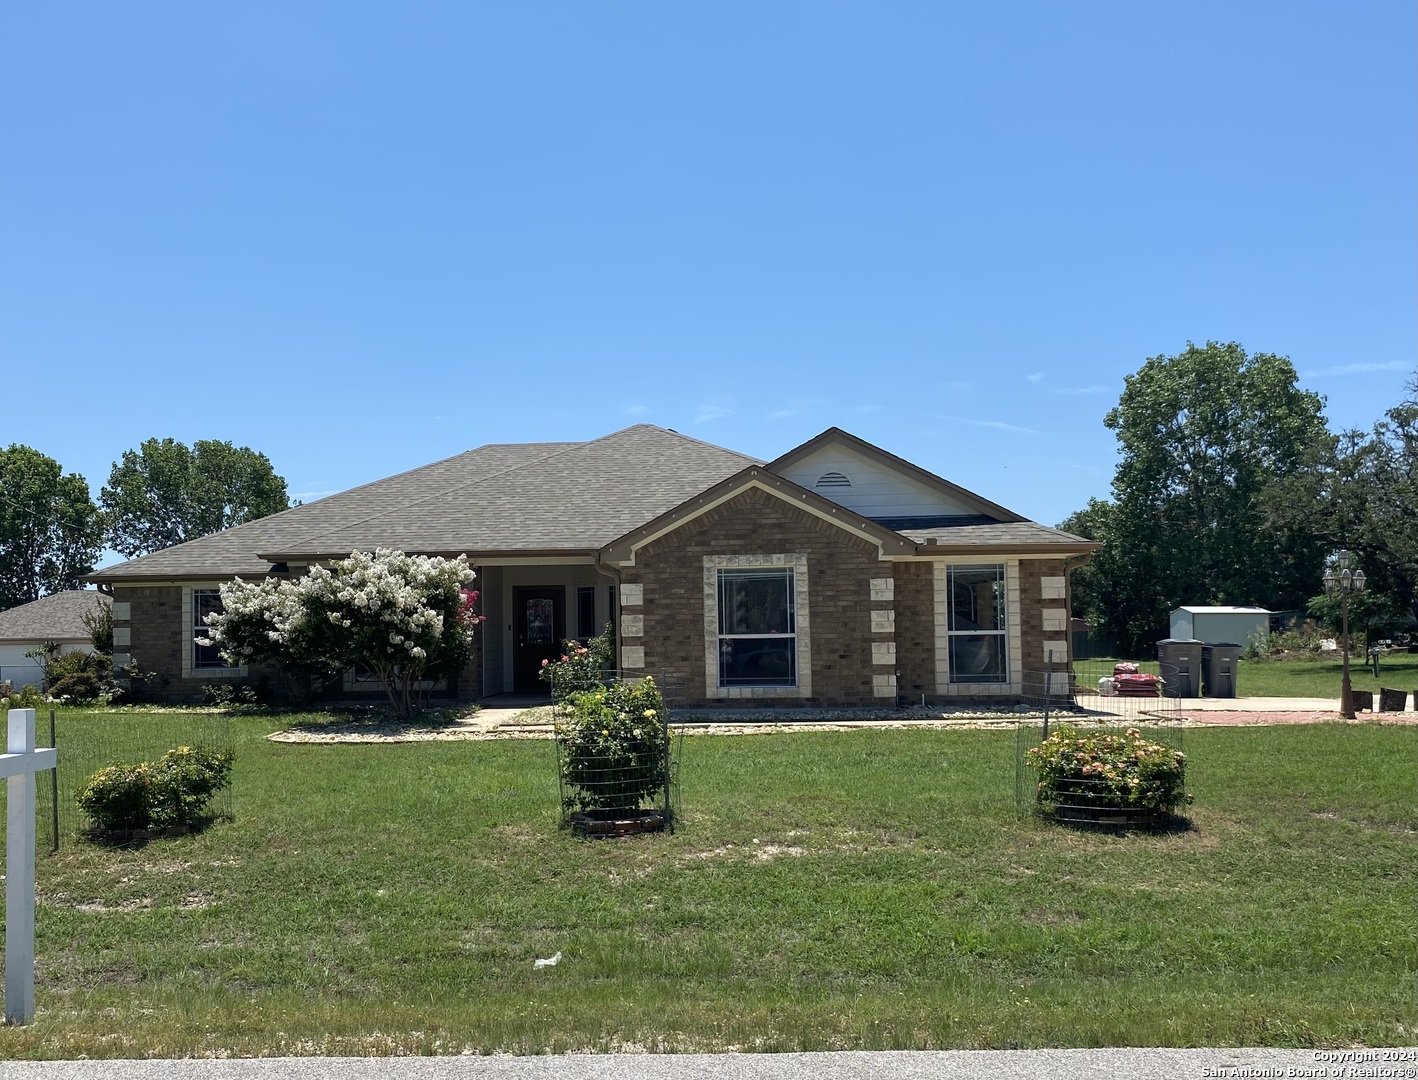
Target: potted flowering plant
x=1108, y=777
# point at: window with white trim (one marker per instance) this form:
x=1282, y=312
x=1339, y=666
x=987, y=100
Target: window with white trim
x=758, y=643
x=204, y=654
x=977, y=631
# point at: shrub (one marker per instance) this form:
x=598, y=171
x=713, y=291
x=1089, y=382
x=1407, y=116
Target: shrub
x=26, y=697
x=60, y=667
x=1108, y=770
x=614, y=746
x=173, y=791
x=81, y=688
x=226, y=695
x=581, y=667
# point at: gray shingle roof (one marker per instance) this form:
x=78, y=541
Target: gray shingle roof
x=56, y=617
x=571, y=497
x=1022, y=534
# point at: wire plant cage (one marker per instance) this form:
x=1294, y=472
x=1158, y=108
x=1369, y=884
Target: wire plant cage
x=89, y=741
x=1083, y=700
x=617, y=757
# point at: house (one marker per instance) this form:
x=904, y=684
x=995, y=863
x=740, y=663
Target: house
x=54, y=619
x=838, y=574
x=1220, y=625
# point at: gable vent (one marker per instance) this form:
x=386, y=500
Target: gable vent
x=832, y=480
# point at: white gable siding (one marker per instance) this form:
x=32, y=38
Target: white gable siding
x=876, y=491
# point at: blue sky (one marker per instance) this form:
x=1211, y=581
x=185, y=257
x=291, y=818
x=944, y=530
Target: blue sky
x=362, y=237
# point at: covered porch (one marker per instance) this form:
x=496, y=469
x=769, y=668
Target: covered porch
x=531, y=607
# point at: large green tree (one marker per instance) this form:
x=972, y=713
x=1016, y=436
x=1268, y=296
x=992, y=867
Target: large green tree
x=165, y=493
x=51, y=532
x=1358, y=491
x=1202, y=437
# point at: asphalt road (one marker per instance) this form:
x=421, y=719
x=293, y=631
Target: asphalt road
x=1110, y=1064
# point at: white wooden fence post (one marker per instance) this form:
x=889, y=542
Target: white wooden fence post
x=19, y=765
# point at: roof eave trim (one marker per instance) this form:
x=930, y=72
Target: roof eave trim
x=1044, y=549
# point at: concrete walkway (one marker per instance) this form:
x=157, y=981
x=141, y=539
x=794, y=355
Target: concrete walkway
x=1108, y=1064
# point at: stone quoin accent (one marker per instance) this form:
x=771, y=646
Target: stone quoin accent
x=883, y=622
x=883, y=588
x=1053, y=587
x=632, y=595
x=632, y=626
x=883, y=652
x=632, y=656
x=1055, y=621
x=883, y=686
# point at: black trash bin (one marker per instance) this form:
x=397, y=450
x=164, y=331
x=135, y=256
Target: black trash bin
x=1180, y=660
x=1218, y=669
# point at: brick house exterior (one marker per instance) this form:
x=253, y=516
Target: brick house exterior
x=836, y=575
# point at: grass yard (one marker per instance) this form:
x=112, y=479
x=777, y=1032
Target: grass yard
x=867, y=889
x=1323, y=678
x=1301, y=678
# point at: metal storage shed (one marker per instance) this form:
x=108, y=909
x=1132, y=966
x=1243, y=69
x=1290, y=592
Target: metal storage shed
x=1220, y=625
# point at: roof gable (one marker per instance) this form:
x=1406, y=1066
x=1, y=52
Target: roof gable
x=622, y=550
x=863, y=477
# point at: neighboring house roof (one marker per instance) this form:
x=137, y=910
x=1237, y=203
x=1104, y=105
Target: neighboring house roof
x=1225, y=610
x=56, y=617
x=514, y=498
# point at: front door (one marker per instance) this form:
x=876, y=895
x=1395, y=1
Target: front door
x=538, y=630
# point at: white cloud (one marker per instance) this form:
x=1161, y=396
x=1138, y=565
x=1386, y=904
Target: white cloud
x=1035, y=376
x=710, y=410
x=1361, y=369
x=636, y=410
x=780, y=414
x=998, y=425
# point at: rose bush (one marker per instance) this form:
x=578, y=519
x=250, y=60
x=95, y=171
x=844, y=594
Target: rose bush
x=1108, y=770
x=581, y=667
x=614, y=743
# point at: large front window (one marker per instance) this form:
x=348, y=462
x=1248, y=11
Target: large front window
x=977, y=630
x=204, y=654
x=757, y=627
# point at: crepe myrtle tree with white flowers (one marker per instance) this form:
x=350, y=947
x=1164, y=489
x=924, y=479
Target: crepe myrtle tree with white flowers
x=408, y=618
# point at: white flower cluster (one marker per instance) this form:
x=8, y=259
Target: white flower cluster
x=384, y=609
x=258, y=617
x=393, y=601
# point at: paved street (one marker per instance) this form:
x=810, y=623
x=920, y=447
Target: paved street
x=1112, y=1064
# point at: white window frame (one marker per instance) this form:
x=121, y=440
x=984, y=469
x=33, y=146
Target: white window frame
x=802, y=628
x=1002, y=633
x=190, y=670
x=945, y=687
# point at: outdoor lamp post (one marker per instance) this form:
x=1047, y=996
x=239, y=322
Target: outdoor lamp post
x=1344, y=583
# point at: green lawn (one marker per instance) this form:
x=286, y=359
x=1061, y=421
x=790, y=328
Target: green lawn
x=868, y=889
x=1300, y=678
